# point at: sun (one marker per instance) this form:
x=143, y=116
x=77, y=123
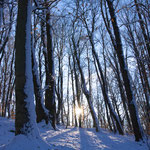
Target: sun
x=78, y=111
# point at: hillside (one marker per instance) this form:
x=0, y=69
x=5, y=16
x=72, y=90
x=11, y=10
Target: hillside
x=72, y=138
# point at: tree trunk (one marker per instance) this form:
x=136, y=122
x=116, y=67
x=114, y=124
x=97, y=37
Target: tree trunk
x=85, y=91
x=138, y=132
x=50, y=75
x=1, y=12
x=59, y=114
x=74, y=116
x=78, y=90
x=105, y=95
x=41, y=112
x=25, y=122
x=146, y=38
x=9, y=84
x=68, y=106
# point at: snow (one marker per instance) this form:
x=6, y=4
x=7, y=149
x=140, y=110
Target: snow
x=66, y=139
x=28, y=89
x=22, y=142
x=8, y=141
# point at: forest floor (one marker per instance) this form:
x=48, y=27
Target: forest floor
x=74, y=138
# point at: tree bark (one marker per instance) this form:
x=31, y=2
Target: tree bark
x=50, y=75
x=25, y=122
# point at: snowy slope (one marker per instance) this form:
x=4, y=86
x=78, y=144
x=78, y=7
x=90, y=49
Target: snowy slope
x=72, y=139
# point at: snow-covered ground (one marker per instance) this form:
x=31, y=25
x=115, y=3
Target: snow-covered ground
x=72, y=138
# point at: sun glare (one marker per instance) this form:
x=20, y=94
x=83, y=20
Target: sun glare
x=78, y=111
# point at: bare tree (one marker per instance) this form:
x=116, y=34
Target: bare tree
x=117, y=43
